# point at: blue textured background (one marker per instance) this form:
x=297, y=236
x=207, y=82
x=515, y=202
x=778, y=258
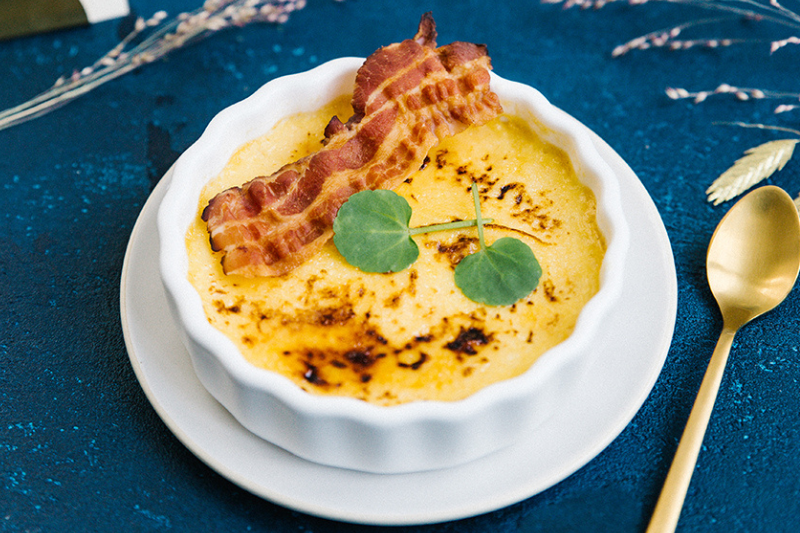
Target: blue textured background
x=82, y=449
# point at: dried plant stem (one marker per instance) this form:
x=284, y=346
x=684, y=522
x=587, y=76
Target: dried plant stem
x=741, y=93
x=165, y=35
x=759, y=162
x=771, y=11
x=758, y=126
x=55, y=98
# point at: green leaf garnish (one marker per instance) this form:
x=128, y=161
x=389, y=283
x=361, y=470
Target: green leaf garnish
x=371, y=232
x=499, y=274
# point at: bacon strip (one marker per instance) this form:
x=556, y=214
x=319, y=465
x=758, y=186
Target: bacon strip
x=407, y=97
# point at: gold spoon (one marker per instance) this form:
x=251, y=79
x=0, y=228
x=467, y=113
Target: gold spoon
x=752, y=264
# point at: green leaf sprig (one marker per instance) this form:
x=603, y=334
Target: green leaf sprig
x=372, y=233
x=499, y=274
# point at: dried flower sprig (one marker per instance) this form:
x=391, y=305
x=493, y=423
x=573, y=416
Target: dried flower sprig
x=668, y=38
x=151, y=39
x=761, y=161
x=771, y=11
x=740, y=93
x=757, y=164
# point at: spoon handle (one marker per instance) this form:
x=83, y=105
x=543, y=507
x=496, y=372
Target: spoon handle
x=668, y=508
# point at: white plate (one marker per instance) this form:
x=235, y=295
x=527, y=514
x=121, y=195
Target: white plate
x=633, y=348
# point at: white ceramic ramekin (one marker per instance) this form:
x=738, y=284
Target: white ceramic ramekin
x=348, y=433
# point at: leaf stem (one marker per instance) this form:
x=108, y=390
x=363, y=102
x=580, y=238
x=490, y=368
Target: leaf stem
x=457, y=224
x=478, y=218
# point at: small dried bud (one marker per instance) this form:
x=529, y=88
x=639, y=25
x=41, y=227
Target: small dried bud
x=117, y=50
x=619, y=50
x=216, y=23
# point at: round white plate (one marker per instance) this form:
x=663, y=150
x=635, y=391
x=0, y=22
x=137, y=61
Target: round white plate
x=633, y=347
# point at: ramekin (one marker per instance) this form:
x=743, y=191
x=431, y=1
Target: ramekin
x=350, y=433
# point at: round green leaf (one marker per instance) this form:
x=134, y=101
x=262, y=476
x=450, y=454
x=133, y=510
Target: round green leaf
x=500, y=274
x=371, y=232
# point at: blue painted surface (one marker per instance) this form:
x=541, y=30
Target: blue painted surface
x=81, y=449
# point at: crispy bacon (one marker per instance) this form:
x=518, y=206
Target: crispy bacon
x=407, y=97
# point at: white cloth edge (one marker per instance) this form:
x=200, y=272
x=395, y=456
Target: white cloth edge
x=100, y=10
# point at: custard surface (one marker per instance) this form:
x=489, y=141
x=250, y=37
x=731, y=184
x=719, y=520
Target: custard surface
x=412, y=335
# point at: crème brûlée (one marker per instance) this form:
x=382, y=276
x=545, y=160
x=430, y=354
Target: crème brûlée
x=412, y=335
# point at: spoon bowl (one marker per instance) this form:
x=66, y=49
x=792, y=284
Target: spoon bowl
x=753, y=256
x=752, y=264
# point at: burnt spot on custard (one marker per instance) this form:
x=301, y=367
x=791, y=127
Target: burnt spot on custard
x=421, y=167
x=456, y=249
x=466, y=172
x=361, y=358
x=227, y=309
x=312, y=375
x=323, y=368
x=468, y=340
x=549, y=291
x=357, y=361
x=408, y=290
x=505, y=188
x=416, y=364
x=330, y=316
x=440, y=159
x=534, y=212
